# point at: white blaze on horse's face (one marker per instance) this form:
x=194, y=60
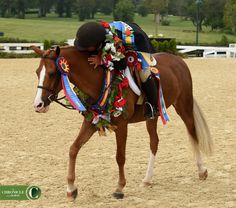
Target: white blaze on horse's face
x=38, y=102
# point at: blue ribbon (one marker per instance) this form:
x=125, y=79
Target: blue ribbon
x=69, y=93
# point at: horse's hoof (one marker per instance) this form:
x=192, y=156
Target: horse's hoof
x=203, y=175
x=146, y=184
x=71, y=196
x=118, y=195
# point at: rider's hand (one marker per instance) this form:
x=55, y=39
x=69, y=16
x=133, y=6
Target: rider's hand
x=95, y=60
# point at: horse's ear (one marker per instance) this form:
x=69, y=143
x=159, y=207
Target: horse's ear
x=37, y=50
x=58, y=50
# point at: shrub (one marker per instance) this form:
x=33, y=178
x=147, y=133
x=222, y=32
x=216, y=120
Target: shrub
x=50, y=43
x=164, y=46
x=224, y=41
x=14, y=40
x=16, y=55
x=165, y=22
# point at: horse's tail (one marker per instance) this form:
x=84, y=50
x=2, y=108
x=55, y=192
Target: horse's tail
x=202, y=131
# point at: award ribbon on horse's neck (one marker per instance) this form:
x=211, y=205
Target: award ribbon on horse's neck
x=63, y=67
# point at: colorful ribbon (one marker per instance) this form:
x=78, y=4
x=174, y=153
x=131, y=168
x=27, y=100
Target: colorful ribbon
x=63, y=67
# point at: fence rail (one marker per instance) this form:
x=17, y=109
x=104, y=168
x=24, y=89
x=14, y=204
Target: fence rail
x=209, y=51
x=20, y=48
x=205, y=51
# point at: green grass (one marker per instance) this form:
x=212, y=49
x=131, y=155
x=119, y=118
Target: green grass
x=54, y=28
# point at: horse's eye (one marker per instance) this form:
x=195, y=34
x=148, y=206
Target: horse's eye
x=51, y=75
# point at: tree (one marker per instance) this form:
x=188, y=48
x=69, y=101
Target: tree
x=60, y=7
x=190, y=10
x=64, y=7
x=143, y=9
x=176, y=7
x=10, y=8
x=86, y=9
x=230, y=15
x=105, y=6
x=157, y=7
x=6, y=7
x=68, y=8
x=44, y=6
x=214, y=14
x=124, y=10
x=20, y=7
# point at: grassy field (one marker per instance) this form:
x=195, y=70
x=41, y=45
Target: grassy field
x=53, y=28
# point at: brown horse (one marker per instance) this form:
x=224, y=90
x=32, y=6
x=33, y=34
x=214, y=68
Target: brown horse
x=177, y=89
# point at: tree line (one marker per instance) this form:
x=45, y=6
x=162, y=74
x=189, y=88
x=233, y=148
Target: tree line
x=216, y=14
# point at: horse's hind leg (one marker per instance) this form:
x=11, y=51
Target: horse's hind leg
x=86, y=131
x=185, y=109
x=151, y=125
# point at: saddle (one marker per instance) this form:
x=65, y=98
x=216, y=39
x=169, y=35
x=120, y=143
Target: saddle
x=137, y=61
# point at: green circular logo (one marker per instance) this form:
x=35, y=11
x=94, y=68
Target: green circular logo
x=33, y=192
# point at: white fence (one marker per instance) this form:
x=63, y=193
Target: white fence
x=70, y=42
x=206, y=51
x=209, y=51
x=21, y=48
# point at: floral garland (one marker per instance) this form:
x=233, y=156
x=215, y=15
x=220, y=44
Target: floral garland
x=116, y=105
x=113, y=49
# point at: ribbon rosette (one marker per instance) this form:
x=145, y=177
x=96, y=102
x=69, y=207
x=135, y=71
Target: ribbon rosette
x=64, y=66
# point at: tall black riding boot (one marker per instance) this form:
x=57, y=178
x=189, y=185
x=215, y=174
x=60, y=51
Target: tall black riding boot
x=150, y=90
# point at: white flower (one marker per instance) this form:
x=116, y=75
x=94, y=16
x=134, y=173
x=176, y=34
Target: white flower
x=108, y=46
x=113, y=48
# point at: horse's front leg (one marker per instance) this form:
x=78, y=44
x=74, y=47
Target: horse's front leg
x=86, y=131
x=121, y=137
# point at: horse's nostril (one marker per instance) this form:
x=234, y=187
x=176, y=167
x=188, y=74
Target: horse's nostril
x=39, y=105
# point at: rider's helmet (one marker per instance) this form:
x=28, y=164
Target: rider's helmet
x=90, y=35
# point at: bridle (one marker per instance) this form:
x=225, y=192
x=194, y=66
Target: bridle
x=53, y=96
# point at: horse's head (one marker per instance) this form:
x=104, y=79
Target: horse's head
x=49, y=79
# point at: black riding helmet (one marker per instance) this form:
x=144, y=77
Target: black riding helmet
x=90, y=34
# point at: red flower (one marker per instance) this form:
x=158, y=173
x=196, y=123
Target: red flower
x=120, y=103
x=128, y=32
x=105, y=24
x=116, y=38
x=108, y=57
x=124, y=83
x=138, y=66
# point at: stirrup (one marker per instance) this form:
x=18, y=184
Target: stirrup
x=152, y=113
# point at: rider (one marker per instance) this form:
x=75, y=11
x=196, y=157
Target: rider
x=94, y=37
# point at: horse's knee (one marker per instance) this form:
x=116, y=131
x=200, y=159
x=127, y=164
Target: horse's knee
x=73, y=151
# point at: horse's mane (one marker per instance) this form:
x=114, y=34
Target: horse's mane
x=74, y=51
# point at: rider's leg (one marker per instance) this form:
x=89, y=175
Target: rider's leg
x=150, y=90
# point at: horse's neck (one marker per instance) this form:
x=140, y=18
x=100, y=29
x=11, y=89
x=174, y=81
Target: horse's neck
x=82, y=74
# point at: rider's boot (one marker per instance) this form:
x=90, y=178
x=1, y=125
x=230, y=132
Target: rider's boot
x=151, y=106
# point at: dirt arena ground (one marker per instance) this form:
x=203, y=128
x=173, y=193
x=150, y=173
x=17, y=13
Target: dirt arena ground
x=34, y=147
